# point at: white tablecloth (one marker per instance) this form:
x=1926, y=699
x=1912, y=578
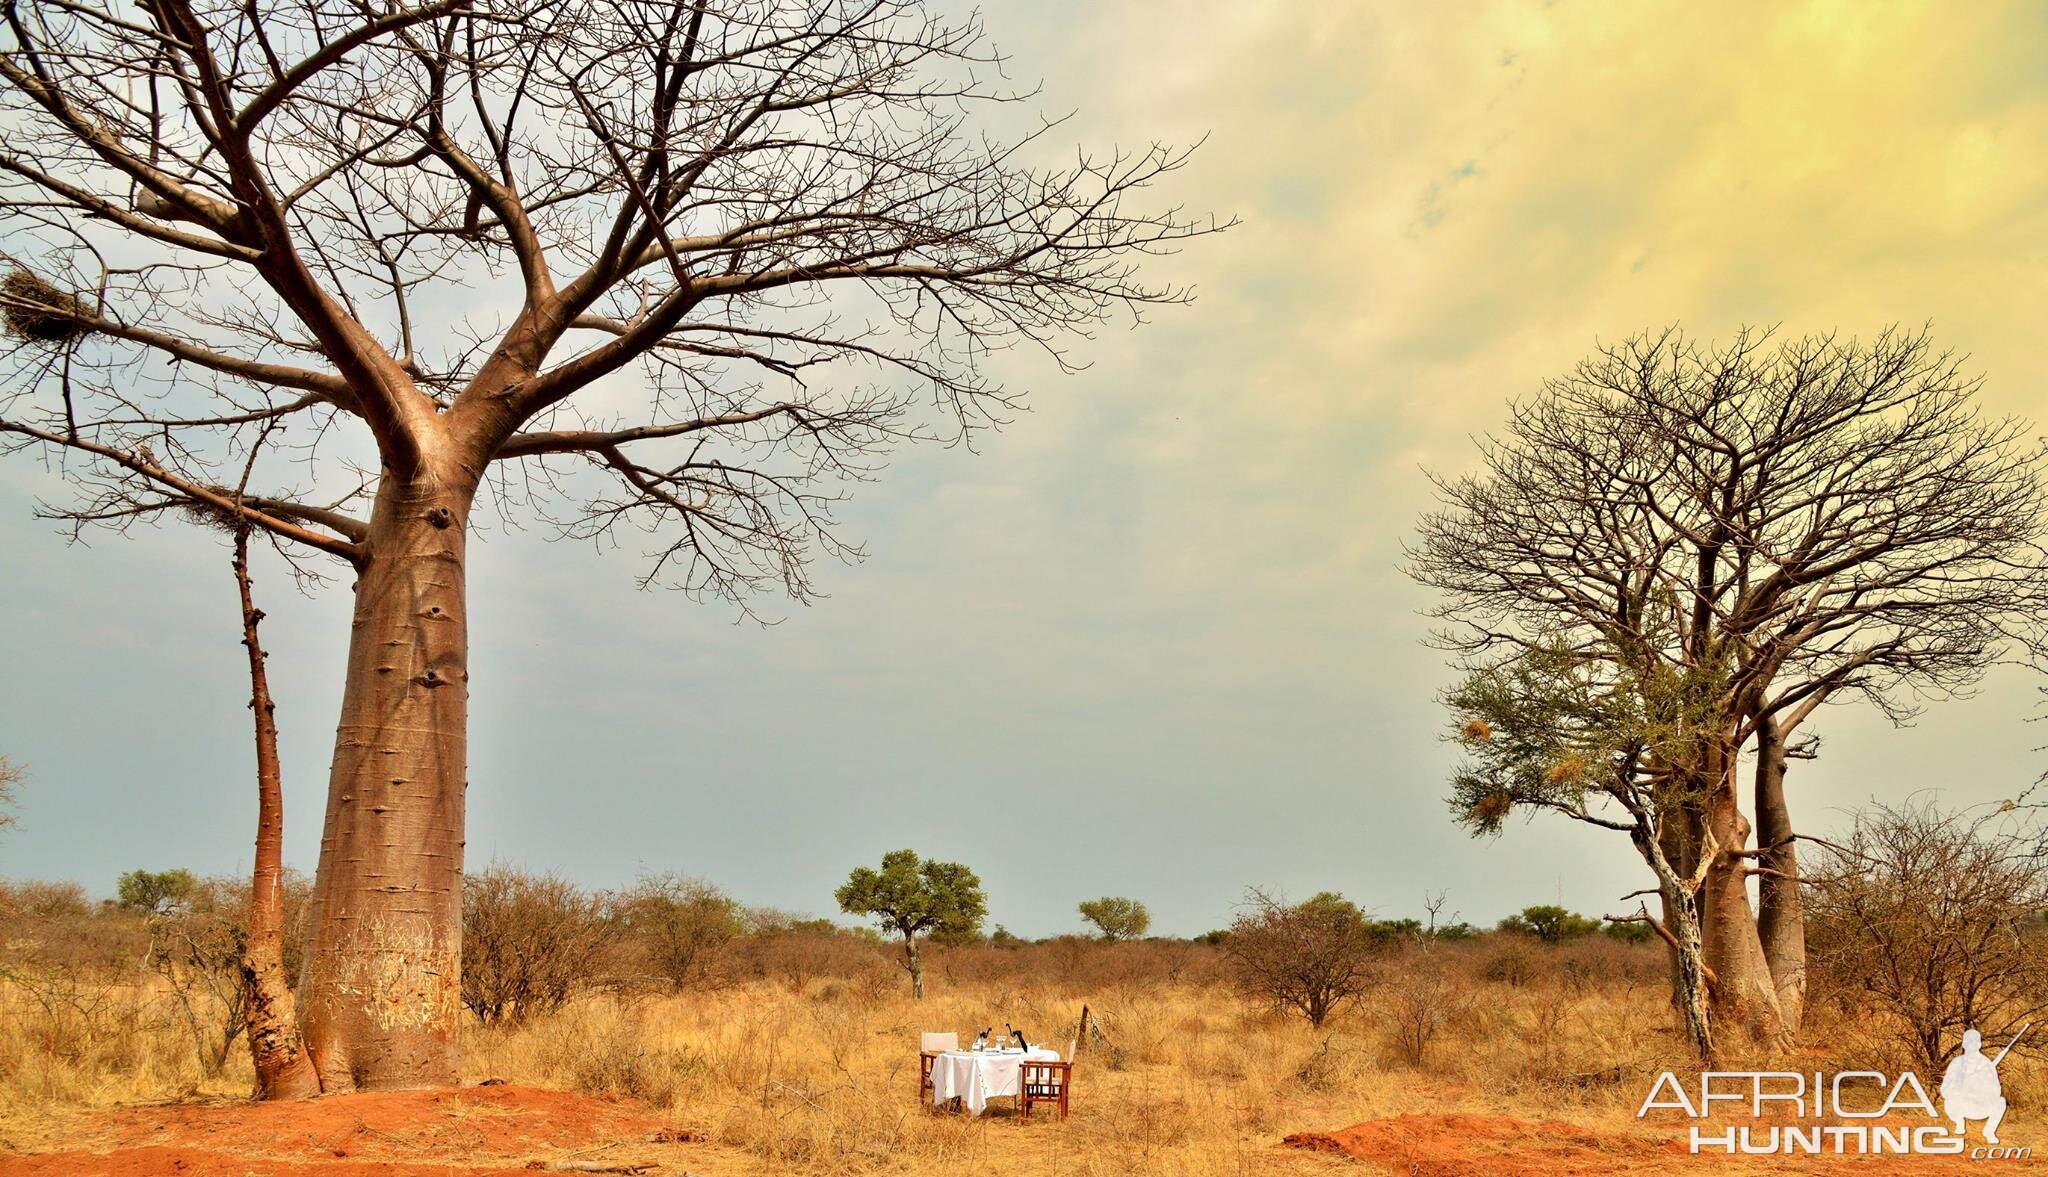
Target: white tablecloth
x=975, y=1077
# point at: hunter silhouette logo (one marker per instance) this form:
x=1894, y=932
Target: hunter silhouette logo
x=1868, y=1105
x=1970, y=1089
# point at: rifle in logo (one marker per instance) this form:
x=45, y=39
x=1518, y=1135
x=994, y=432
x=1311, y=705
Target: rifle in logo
x=1970, y=1089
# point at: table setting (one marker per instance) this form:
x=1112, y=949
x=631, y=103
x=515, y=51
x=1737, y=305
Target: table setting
x=992, y=1068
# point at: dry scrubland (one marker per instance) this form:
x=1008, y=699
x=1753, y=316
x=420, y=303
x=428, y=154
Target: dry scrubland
x=800, y=1058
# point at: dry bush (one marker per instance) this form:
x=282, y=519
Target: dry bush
x=529, y=942
x=55, y=925
x=1083, y=961
x=677, y=929
x=1510, y=963
x=1424, y=1000
x=1310, y=957
x=196, y=946
x=797, y=951
x=1929, y=920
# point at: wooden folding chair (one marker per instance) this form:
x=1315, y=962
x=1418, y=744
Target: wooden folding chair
x=929, y=1047
x=1044, y=1082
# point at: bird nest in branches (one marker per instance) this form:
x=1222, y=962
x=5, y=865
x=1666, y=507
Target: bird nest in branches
x=36, y=310
x=204, y=513
x=1492, y=807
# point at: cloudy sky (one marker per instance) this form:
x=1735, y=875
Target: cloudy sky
x=1152, y=639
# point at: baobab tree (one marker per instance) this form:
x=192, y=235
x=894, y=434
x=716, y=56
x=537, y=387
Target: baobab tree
x=678, y=268
x=1796, y=522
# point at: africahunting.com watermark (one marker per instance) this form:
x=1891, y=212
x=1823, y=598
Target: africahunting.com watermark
x=1970, y=1092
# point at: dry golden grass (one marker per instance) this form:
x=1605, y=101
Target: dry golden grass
x=818, y=1074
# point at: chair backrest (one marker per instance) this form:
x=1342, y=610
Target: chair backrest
x=1043, y=1077
x=1073, y=1044
x=937, y=1042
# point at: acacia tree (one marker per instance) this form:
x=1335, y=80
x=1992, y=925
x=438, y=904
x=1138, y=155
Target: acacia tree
x=914, y=899
x=681, y=268
x=1116, y=917
x=1811, y=521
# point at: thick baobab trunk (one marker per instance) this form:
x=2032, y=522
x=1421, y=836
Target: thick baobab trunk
x=383, y=982
x=915, y=963
x=1781, y=914
x=283, y=1070
x=1744, y=994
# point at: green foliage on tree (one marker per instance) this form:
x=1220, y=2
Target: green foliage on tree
x=914, y=898
x=681, y=924
x=1117, y=918
x=1550, y=923
x=155, y=892
x=1394, y=931
x=1576, y=732
x=1635, y=932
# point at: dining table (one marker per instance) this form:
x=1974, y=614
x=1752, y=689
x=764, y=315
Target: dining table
x=976, y=1076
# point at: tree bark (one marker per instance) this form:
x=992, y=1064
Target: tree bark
x=1677, y=842
x=283, y=1069
x=1690, y=990
x=383, y=981
x=1691, y=981
x=1781, y=916
x=913, y=962
x=1745, y=994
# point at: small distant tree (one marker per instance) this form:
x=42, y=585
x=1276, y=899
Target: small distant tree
x=1117, y=918
x=528, y=941
x=1930, y=918
x=1406, y=930
x=155, y=893
x=914, y=898
x=1628, y=932
x=1550, y=923
x=679, y=925
x=1309, y=957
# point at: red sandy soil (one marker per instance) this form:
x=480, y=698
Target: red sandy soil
x=1466, y=1145
x=494, y=1131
